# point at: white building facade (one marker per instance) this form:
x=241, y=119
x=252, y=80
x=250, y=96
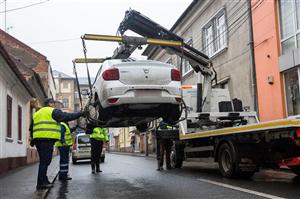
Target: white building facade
x=15, y=96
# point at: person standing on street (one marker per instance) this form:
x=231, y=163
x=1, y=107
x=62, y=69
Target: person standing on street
x=165, y=146
x=63, y=146
x=45, y=130
x=97, y=138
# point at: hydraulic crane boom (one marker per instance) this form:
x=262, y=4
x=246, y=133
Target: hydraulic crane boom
x=145, y=27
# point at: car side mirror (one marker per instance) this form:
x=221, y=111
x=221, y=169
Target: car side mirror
x=85, y=92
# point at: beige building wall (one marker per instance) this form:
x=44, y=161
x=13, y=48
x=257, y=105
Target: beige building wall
x=232, y=62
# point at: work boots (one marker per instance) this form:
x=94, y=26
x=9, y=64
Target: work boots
x=98, y=169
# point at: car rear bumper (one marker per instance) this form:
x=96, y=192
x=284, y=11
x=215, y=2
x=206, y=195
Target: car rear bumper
x=141, y=94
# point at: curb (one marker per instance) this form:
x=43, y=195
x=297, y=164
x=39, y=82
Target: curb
x=42, y=194
x=133, y=154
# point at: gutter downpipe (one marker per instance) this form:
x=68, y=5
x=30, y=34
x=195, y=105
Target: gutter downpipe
x=253, y=67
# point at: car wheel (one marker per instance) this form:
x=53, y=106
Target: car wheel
x=172, y=114
x=102, y=115
x=142, y=127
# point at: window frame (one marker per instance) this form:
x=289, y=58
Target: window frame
x=66, y=102
x=285, y=91
x=9, y=102
x=20, y=117
x=213, y=23
x=295, y=26
x=65, y=85
x=186, y=62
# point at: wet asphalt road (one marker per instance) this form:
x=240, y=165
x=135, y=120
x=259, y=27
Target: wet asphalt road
x=134, y=177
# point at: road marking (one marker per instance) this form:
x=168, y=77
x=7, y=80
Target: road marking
x=241, y=189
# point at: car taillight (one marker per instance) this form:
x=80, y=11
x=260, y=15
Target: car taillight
x=298, y=133
x=111, y=74
x=175, y=75
x=297, y=137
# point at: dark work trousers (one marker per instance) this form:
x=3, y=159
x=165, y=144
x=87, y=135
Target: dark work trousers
x=165, y=145
x=96, y=150
x=63, y=161
x=45, y=150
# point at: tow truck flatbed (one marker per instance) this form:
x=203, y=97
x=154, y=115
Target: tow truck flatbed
x=289, y=123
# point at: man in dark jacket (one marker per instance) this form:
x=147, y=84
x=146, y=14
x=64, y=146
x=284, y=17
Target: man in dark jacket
x=45, y=131
x=165, y=145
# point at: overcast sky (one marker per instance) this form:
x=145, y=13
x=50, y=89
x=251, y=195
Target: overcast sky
x=54, y=27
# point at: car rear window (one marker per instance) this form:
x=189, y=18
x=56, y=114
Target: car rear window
x=83, y=139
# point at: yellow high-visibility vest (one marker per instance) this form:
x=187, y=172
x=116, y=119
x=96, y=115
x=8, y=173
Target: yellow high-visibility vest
x=68, y=137
x=99, y=134
x=44, y=126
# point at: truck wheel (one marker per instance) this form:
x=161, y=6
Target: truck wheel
x=296, y=170
x=175, y=162
x=227, y=163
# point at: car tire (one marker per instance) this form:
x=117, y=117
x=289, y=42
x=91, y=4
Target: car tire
x=103, y=115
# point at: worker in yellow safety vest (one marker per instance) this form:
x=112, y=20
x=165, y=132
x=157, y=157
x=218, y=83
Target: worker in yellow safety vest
x=63, y=146
x=45, y=130
x=97, y=139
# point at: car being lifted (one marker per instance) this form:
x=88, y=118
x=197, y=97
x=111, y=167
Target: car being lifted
x=129, y=92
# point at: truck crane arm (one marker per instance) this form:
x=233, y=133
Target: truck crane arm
x=145, y=27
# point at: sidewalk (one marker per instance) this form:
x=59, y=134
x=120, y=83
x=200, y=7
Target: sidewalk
x=21, y=182
x=152, y=155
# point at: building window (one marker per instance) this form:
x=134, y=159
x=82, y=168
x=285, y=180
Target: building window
x=66, y=103
x=214, y=34
x=9, y=116
x=291, y=79
x=289, y=25
x=65, y=85
x=19, y=123
x=186, y=67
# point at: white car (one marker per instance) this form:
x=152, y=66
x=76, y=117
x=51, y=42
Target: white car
x=128, y=92
x=81, y=149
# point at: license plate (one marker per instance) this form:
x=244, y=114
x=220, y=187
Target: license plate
x=147, y=93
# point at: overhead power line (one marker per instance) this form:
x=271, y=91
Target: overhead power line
x=23, y=7
x=55, y=41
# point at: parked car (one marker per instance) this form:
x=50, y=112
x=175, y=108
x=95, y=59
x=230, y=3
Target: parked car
x=129, y=92
x=81, y=149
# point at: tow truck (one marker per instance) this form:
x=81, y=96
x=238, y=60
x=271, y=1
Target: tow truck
x=212, y=124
